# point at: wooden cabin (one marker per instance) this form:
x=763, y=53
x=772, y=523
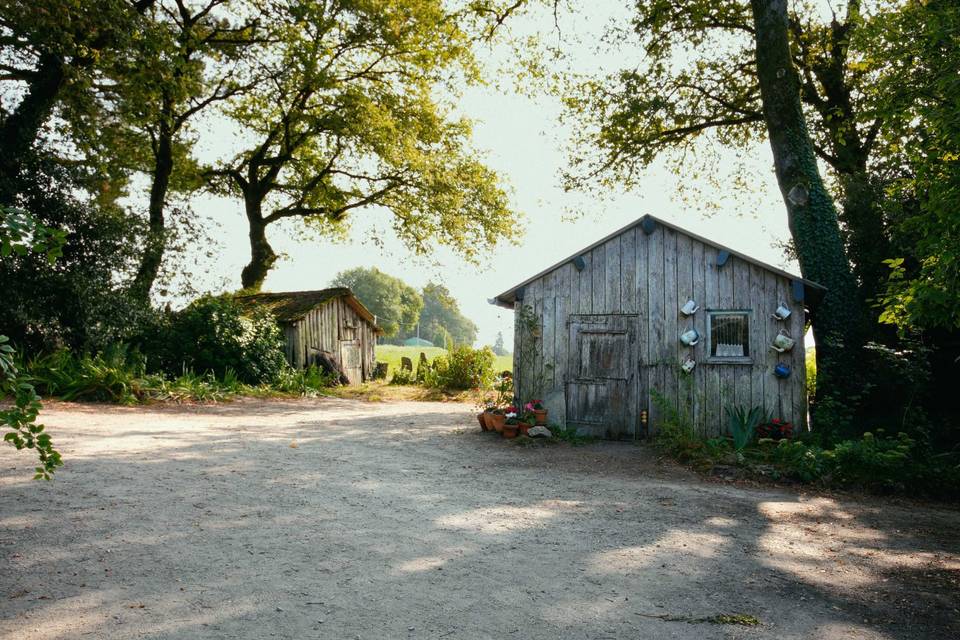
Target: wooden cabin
x=654, y=322
x=329, y=322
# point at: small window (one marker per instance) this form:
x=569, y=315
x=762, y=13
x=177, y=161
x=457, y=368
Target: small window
x=729, y=335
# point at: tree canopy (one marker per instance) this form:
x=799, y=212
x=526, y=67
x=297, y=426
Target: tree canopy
x=441, y=316
x=396, y=304
x=346, y=114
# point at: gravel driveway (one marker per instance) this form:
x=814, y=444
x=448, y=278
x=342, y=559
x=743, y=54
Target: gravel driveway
x=343, y=519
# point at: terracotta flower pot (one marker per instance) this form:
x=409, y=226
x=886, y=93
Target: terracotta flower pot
x=487, y=420
x=541, y=416
x=510, y=430
x=498, y=420
x=481, y=418
x=524, y=428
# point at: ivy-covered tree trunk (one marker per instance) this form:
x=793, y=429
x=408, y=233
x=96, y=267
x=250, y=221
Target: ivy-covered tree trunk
x=812, y=216
x=262, y=257
x=19, y=131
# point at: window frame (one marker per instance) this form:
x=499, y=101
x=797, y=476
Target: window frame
x=711, y=313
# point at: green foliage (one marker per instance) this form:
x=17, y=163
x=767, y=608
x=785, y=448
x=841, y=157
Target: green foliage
x=441, y=316
x=743, y=424
x=919, y=98
x=810, y=364
x=462, y=368
x=214, y=334
x=115, y=375
x=403, y=376
x=303, y=382
x=802, y=461
x=675, y=434
x=331, y=136
x=21, y=418
x=872, y=462
x=80, y=300
x=396, y=304
x=570, y=435
x=22, y=234
x=118, y=375
x=532, y=378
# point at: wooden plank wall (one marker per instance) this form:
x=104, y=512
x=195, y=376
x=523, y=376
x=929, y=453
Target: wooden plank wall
x=652, y=276
x=323, y=328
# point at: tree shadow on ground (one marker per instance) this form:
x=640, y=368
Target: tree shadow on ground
x=339, y=519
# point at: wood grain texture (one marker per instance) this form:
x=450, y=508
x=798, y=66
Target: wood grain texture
x=656, y=323
x=742, y=299
x=549, y=309
x=599, y=272
x=699, y=320
x=628, y=271
x=612, y=276
x=647, y=279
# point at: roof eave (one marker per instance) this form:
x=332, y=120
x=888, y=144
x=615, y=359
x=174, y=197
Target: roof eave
x=813, y=291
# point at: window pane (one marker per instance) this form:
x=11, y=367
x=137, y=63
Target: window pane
x=729, y=335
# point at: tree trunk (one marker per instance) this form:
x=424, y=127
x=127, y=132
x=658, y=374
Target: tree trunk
x=867, y=238
x=21, y=128
x=156, y=242
x=812, y=217
x=262, y=257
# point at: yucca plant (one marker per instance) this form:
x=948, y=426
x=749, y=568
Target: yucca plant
x=743, y=424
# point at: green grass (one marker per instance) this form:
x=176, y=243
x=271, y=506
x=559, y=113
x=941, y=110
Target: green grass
x=391, y=354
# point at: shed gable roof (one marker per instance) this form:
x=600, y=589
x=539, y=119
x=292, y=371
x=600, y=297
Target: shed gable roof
x=290, y=306
x=508, y=297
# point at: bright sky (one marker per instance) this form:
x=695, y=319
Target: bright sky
x=523, y=141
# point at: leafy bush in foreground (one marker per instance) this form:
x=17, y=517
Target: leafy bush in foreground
x=21, y=418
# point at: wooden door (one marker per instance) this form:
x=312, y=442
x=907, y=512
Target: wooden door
x=350, y=360
x=602, y=382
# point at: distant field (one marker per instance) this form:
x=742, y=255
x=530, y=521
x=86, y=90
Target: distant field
x=391, y=354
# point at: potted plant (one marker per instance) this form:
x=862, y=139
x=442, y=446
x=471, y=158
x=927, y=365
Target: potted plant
x=487, y=415
x=538, y=410
x=512, y=425
x=517, y=421
x=524, y=423
x=497, y=418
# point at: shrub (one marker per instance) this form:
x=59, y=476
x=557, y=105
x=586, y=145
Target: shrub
x=304, y=382
x=403, y=376
x=215, y=334
x=115, y=375
x=675, y=433
x=462, y=368
x=799, y=460
x=871, y=460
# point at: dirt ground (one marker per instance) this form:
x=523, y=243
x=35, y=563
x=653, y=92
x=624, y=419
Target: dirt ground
x=343, y=519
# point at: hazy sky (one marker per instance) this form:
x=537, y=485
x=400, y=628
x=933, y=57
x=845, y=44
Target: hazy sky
x=523, y=141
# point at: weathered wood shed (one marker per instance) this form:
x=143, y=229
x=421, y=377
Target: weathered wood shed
x=329, y=321
x=600, y=335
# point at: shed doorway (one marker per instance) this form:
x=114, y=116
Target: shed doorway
x=602, y=382
x=351, y=361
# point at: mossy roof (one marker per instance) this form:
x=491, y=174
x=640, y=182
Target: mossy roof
x=290, y=306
